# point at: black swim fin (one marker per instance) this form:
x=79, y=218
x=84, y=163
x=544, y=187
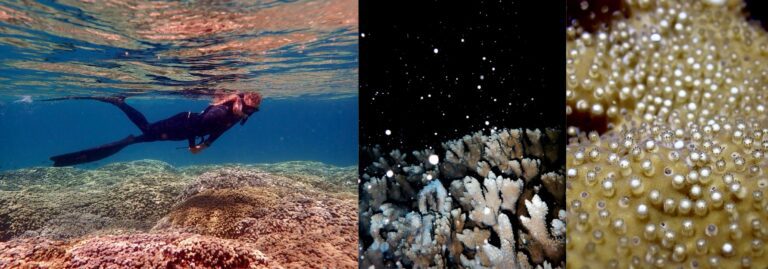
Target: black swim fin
x=94, y=154
x=134, y=115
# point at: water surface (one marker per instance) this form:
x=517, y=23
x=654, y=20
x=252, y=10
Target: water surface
x=281, y=48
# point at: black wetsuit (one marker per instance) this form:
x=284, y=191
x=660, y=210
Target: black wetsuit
x=212, y=122
x=207, y=126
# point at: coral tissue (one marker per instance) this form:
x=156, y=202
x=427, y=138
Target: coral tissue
x=666, y=162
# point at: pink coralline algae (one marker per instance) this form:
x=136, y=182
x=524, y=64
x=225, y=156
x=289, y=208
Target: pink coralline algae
x=169, y=250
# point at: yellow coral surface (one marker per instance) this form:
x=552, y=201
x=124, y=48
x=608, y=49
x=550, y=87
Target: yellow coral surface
x=676, y=177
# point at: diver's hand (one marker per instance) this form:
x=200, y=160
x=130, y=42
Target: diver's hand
x=197, y=149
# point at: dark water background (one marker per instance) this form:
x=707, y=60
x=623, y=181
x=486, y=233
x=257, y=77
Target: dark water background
x=169, y=56
x=444, y=69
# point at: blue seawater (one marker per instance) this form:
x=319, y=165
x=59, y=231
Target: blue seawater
x=170, y=57
x=302, y=128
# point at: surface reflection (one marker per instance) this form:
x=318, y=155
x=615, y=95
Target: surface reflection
x=281, y=48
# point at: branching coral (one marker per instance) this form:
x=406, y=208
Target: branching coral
x=675, y=178
x=459, y=212
x=537, y=226
x=500, y=193
x=555, y=183
x=491, y=256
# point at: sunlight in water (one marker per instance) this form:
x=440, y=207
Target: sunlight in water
x=280, y=48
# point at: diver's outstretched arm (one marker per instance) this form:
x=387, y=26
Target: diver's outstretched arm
x=193, y=146
x=119, y=101
x=226, y=99
x=205, y=143
x=95, y=154
x=208, y=141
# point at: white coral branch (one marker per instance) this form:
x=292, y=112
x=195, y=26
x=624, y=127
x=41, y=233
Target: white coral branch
x=492, y=198
x=515, y=143
x=534, y=148
x=483, y=168
x=376, y=188
x=515, y=167
x=507, y=237
x=489, y=256
x=473, y=238
x=499, y=193
x=482, y=211
x=510, y=192
x=537, y=226
x=434, y=197
x=555, y=184
x=530, y=168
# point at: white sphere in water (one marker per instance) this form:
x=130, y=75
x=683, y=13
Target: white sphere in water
x=715, y=2
x=433, y=159
x=390, y=173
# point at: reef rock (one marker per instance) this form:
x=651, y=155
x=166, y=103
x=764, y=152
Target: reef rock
x=168, y=250
x=291, y=221
x=130, y=195
x=319, y=175
x=234, y=178
x=199, y=216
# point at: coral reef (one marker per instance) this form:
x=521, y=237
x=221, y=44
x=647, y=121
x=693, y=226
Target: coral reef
x=97, y=213
x=168, y=250
x=231, y=178
x=305, y=233
x=485, y=203
x=321, y=176
x=293, y=223
x=675, y=176
x=131, y=195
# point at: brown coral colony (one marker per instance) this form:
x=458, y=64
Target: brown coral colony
x=677, y=176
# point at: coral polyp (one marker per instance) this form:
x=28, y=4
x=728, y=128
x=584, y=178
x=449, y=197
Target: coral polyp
x=668, y=133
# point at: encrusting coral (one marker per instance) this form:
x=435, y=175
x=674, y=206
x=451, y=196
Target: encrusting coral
x=484, y=205
x=148, y=214
x=169, y=250
x=130, y=196
x=320, y=175
x=675, y=176
x=290, y=221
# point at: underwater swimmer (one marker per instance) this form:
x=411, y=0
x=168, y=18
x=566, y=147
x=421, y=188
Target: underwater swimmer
x=222, y=114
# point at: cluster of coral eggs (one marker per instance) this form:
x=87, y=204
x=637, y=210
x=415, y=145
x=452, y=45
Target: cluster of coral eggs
x=676, y=178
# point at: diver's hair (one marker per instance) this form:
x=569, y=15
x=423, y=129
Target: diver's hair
x=252, y=99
